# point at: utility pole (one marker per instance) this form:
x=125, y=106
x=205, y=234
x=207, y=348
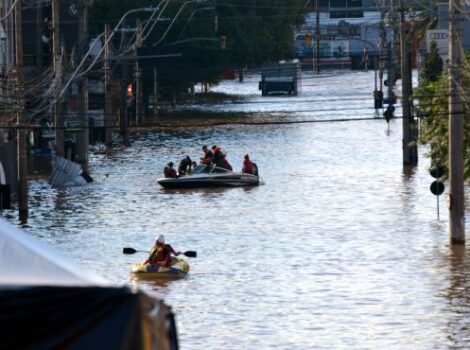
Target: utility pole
x=39, y=42
x=58, y=117
x=390, y=69
x=83, y=136
x=456, y=116
x=22, y=161
x=155, y=90
x=138, y=78
x=123, y=113
x=410, y=148
x=317, y=37
x=108, y=107
x=382, y=46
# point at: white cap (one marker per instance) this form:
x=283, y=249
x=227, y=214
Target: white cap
x=160, y=239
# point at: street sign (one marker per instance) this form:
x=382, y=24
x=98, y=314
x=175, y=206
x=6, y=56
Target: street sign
x=437, y=187
x=437, y=172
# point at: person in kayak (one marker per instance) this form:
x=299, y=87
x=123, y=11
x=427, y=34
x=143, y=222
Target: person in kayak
x=169, y=171
x=161, y=253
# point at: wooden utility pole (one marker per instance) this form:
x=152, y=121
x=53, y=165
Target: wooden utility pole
x=390, y=69
x=22, y=161
x=138, y=78
x=123, y=115
x=39, y=42
x=108, y=106
x=382, y=46
x=456, y=117
x=83, y=136
x=58, y=117
x=410, y=148
x=124, y=104
x=155, y=91
x=317, y=37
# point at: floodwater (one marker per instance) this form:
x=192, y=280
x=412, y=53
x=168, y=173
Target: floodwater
x=340, y=248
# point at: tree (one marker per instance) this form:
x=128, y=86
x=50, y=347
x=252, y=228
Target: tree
x=256, y=32
x=432, y=65
x=433, y=107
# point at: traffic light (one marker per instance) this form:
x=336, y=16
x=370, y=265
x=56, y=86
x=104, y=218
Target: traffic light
x=307, y=39
x=129, y=90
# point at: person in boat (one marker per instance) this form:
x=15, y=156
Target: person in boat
x=207, y=156
x=169, y=171
x=248, y=166
x=161, y=253
x=185, y=165
x=227, y=164
x=218, y=156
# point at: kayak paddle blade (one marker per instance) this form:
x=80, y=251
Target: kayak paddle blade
x=129, y=250
x=190, y=254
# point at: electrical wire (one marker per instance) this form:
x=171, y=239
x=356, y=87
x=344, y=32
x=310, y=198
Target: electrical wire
x=12, y=7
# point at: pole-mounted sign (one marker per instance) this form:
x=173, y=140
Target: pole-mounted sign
x=437, y=187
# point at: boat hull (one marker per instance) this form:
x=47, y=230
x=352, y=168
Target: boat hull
x=225, y=181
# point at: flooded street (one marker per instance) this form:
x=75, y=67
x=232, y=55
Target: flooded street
x=338, y=249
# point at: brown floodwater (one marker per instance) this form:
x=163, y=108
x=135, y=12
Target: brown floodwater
x=340, y=248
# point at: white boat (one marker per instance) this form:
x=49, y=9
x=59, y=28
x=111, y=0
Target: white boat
x=210, y=176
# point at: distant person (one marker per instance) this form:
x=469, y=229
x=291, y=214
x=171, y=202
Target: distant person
x=207, y=156
x=169, y=171
x=184, y=168
x=161, y=253
x=248, y=166
x=218, y=156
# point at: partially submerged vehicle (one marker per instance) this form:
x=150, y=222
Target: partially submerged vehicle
x=283, y=77
x=211, y=176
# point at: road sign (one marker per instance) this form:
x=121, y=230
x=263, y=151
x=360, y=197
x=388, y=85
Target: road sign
x=437, y=172
x=437, y=187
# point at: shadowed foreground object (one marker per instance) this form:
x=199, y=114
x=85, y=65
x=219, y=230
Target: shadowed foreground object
x=49, y=302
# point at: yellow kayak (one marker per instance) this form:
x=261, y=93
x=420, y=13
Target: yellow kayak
x=178, y=269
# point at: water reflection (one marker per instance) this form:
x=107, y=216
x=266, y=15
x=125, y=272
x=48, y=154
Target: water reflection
x=340, y=249
x=458, y=296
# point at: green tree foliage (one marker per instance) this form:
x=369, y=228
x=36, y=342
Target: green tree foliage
x=255, y=31
x=433, y=106
x=432, y=65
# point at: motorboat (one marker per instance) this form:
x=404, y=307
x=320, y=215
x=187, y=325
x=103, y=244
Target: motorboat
x=210, y=176
x=179, y=268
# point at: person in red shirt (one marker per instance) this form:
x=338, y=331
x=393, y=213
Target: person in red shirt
x=247, y=165
x=161, y=253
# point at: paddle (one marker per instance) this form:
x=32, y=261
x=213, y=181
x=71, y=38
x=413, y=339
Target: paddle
x=129, y=250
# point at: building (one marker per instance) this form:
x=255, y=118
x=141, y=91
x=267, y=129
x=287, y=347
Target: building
x=345, y=42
